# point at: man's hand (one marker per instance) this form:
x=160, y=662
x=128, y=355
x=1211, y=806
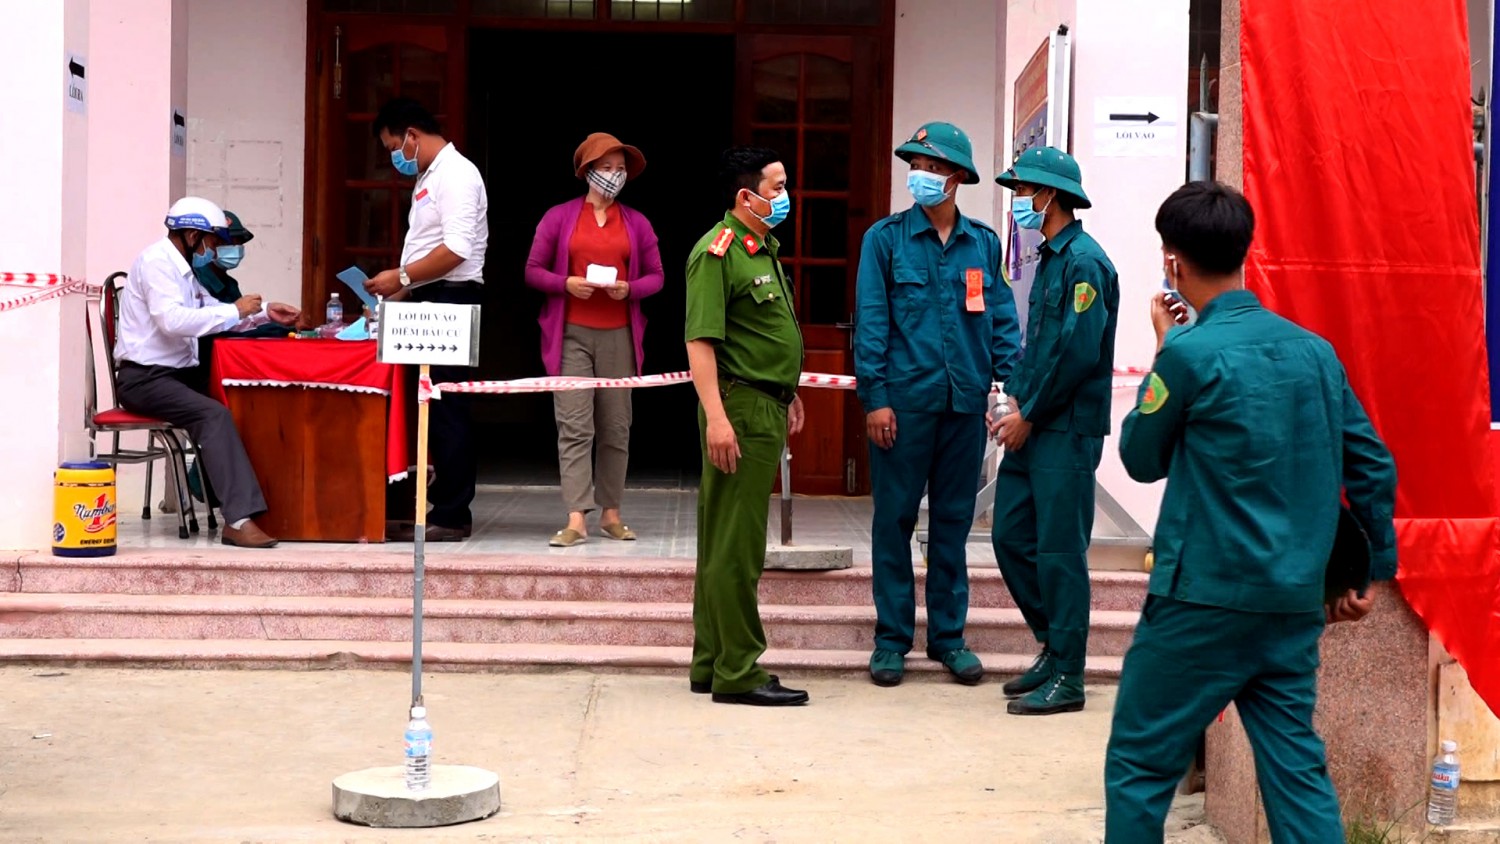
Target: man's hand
x=1351, y=607
x=723, y=448
x=618, y=291
x=385, y=283
x=283, y=314
x=249, y=305
x=796, y=415
x=880, y=427
x=578, y=286
x=1013, y=431
x=1167, y=312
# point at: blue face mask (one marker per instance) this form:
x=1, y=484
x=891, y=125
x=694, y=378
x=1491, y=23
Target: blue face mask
x=405, y=166
x=203, y=260
x=780, y=207
x=928, y=189
x=229, y=255
x=1027, y=217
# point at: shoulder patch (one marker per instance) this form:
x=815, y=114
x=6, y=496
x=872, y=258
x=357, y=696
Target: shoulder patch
x=1084, y=295
x=721, y=243
x=1155, y=394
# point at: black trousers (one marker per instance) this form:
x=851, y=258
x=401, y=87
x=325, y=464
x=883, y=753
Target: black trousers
x=172, y=396
x=450, y=440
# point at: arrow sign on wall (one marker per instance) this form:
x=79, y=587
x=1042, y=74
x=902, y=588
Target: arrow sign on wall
x=1148, y=117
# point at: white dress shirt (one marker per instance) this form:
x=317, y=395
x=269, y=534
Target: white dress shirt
x=164, y=310
x=449, y=206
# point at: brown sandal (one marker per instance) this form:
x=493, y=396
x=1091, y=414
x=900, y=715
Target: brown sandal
x=618, y=531
x=567, y=538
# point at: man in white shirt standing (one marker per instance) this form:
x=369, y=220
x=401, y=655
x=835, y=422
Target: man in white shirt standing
x=447, y=233
x=163, y=312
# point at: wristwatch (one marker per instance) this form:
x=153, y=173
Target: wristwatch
x=405, y=279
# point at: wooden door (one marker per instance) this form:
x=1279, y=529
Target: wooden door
x=360, y=206
x=807, y=95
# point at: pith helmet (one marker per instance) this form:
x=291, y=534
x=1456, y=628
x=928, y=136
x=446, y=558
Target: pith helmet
x=944, y=141
x=1048, y=167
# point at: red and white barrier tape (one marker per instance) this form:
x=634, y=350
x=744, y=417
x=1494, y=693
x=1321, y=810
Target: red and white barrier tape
x=426, y=390
x=40, y=286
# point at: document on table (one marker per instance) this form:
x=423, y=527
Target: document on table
x=355, y=278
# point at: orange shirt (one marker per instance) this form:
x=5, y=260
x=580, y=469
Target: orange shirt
x=607, y=245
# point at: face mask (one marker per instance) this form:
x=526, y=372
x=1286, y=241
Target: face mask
x=928, y=189
x=780, y=207
x=607, y=184
x=203, y=260
x=405, y=166
x=229, y=255
x=1172, y=293
x=1027, y=217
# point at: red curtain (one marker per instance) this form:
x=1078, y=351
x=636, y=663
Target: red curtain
x=1358, y=160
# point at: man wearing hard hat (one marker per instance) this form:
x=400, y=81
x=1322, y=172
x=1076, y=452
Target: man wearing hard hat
x=1054, y=436
x=935, y=327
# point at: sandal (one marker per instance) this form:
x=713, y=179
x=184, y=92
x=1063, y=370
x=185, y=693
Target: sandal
x=567, y=538
x=618, y=531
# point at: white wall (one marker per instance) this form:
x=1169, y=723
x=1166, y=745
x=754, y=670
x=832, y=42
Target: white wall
x=246, y=99
x=945, y=70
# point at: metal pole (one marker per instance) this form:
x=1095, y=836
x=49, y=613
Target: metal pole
x=419, y=549
x=786, y=495
x=1200, y=145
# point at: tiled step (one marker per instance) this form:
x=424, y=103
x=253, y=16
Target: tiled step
x=802, y=627
x=452, y=656
x=384, y=574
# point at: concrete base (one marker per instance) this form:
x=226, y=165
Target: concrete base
x=809, y=557
x=378, y=797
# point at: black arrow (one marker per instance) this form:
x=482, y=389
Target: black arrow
x=1148, y=117
x=75, y=68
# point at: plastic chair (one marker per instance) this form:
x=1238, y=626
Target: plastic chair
x=163, y=441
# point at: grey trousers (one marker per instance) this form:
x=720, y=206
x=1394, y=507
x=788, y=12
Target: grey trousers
x=162, y=392
x=590, y=420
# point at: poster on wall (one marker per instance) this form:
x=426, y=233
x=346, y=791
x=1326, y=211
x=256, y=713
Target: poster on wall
x=1040, y=104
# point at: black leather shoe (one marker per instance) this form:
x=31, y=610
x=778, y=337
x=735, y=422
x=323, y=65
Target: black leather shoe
x=707, y=686
x=770, y=694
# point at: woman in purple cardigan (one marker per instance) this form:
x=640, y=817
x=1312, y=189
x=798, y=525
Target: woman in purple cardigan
x=596, y=260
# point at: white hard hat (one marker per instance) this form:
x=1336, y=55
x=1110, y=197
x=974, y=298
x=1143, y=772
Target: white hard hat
x=199, y=214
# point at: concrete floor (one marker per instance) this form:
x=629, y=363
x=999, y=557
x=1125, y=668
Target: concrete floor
x=92, y=755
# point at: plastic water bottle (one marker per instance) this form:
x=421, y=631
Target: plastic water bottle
x=335, y=311
x=1442, y=802
x=418, y=750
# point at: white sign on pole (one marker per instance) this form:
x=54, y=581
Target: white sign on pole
x=179, y=133
x=76, y=84
x=429, y=332
x=1136, y=127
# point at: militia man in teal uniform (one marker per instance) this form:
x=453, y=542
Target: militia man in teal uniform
x=1054, y=435
x=935, y=328
x=745, y=351
x=1251, y=420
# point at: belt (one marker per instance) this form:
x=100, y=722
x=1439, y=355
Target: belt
x=776, y=393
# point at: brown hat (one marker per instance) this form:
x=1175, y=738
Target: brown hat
x=600, y=144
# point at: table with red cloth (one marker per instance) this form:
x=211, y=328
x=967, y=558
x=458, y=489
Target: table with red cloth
x=325, y=426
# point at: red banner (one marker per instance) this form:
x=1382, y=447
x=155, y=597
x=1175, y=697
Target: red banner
x=1358, y=159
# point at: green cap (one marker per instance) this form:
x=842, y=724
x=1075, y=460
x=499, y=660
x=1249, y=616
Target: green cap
x=944, y=141
x=236, y=230
x=1048, y=167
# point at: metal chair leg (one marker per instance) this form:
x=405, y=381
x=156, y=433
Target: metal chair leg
x=150, y=470
x=170, y=443
x=213, y=524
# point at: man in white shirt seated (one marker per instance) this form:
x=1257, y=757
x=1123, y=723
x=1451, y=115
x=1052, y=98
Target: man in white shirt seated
x=163, y=312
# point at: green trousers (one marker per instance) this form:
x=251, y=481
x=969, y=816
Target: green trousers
x=732, y=510
x=1188, y=662
x=941, y=453
x=1044, y=517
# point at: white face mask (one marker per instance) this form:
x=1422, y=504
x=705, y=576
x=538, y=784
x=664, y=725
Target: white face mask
x=608, y=184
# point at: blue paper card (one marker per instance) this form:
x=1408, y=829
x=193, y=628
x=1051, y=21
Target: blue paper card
x=355, y=278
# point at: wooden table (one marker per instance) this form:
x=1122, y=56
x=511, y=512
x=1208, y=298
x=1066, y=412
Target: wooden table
x=317, y=428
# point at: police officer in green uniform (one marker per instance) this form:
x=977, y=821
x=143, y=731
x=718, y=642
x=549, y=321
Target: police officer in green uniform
x=745, y=351
x=1251, y=420
x=935, y=328
x=1054, y=436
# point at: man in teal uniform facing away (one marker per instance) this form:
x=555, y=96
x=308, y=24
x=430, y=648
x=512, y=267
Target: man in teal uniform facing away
x=1251, y=420
x=935, y=328
x=745, y=351
x=1054, y=436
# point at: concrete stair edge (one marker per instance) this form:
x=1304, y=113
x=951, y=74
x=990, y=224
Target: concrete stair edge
x=349, y=654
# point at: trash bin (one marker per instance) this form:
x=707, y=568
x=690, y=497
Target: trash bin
x=84, y=510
